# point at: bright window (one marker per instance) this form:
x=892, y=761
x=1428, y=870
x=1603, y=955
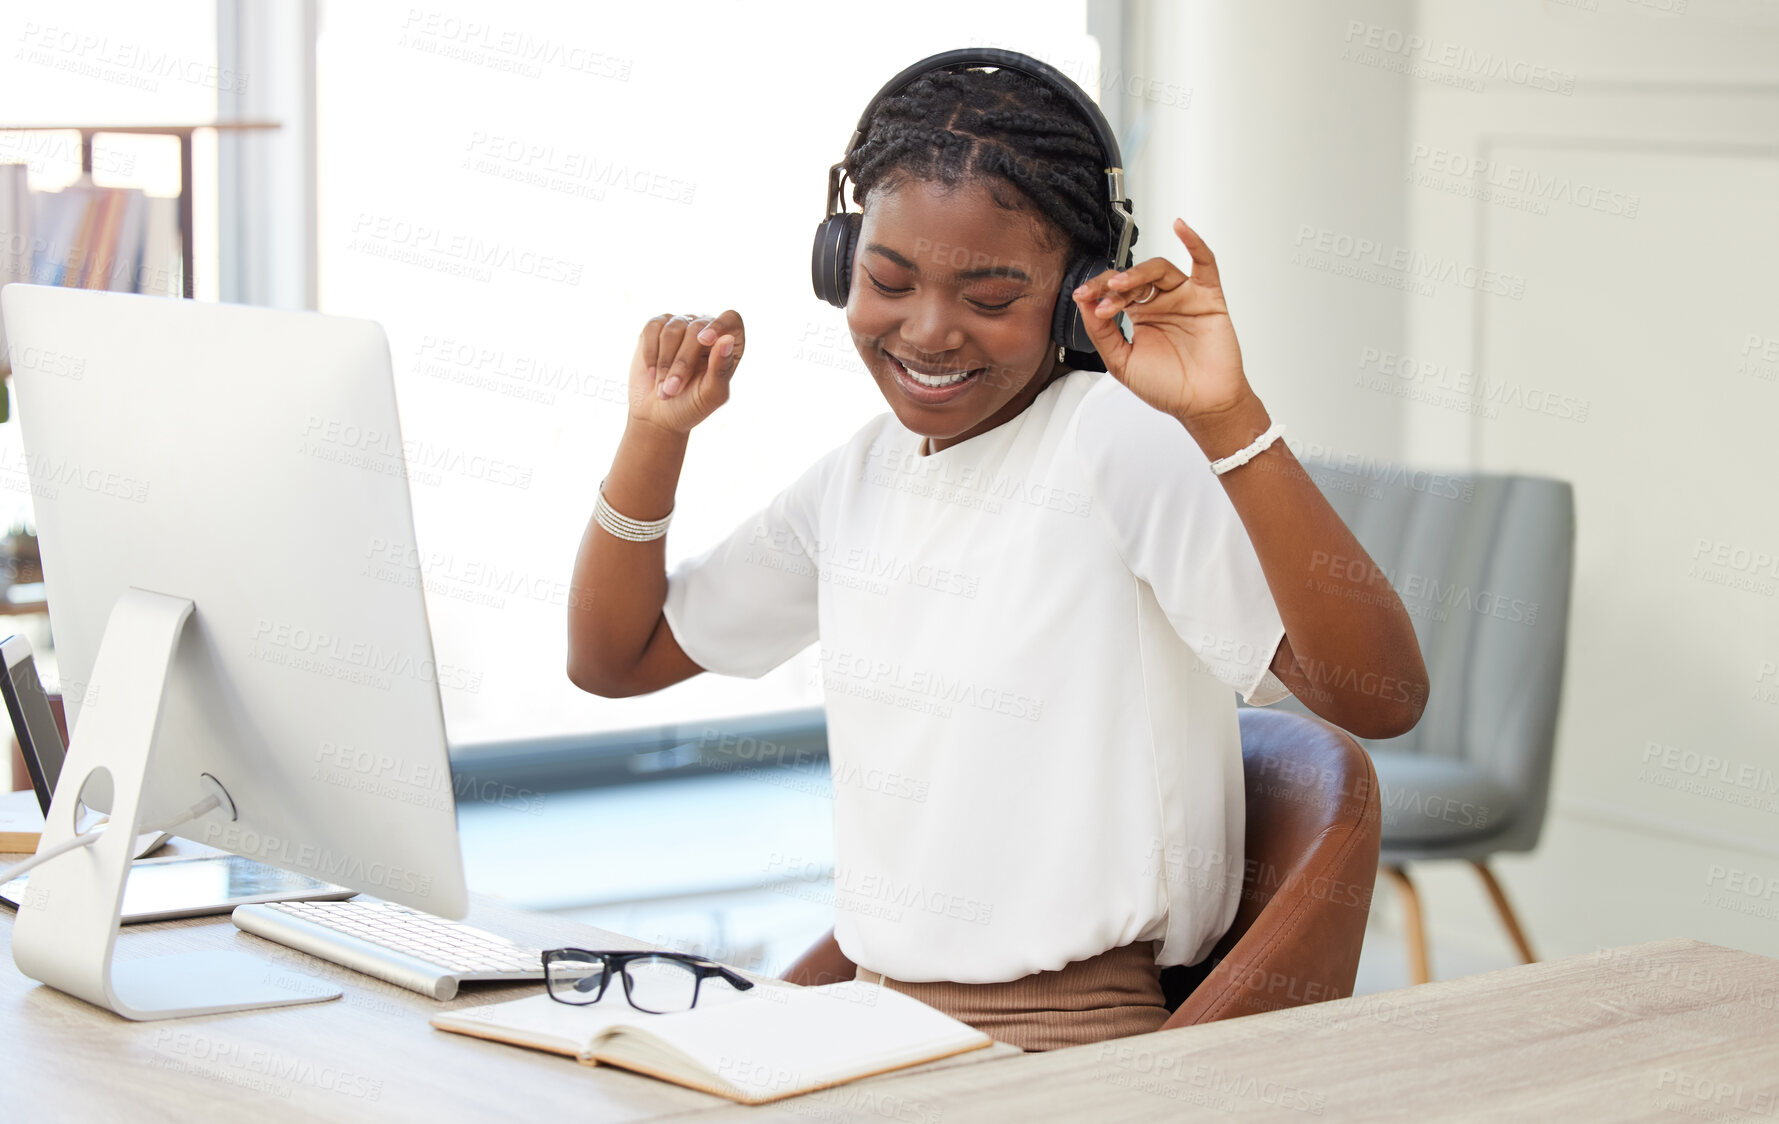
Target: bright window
x=511, y=190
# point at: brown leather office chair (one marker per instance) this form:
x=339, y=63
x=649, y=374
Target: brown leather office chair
x=1311, y=861
x=1314, y=821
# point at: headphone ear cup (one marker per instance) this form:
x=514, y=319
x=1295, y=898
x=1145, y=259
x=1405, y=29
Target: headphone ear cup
x=1066, y=327
x=830, y=264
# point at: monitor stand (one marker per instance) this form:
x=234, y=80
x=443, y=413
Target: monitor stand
x=67, y=927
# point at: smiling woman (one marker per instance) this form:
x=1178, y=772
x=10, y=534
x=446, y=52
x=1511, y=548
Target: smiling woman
x=968, y=234
x=955, y=352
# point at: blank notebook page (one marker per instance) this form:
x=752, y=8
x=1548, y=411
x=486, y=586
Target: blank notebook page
x=542, y=1022
x=795, y=1038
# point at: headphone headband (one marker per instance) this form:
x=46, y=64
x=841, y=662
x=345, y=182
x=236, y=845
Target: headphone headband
x=970, y=57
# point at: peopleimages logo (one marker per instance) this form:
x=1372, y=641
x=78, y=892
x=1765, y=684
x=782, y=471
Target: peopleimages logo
x=1760, y=357
x=837, y=1102
x=904, y=469
x=512, y=374
x=567, y=171
x=474, y=580
x=1377, y=471
x=39, y=151
x=506, y=48
x=319, y=861
x=348, y=443
x=1735, y=556
x=396, y=239
x=1464, y=66
x=1423, y=380
x=1400, y=261
x=362, y=655
x=830, y=556
x=877, y=894
x=47, y=477
x=182, y=1050
x=1516, y=181
x=126, y=63
x=43, y=360
x=856, y=673
x=1709, y=766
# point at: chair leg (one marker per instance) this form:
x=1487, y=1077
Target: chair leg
x=1414, y=933
x=1505, y=910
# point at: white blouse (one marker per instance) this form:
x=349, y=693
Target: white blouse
x=1028, y=645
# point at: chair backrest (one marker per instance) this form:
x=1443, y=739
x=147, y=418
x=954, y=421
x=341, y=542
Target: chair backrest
x=1483, y=563
x=1312, y=841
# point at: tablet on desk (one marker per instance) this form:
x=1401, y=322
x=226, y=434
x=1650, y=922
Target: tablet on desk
x=191, y=886
x=40, y=742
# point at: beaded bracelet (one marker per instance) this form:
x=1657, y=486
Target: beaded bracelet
x=1260, y=445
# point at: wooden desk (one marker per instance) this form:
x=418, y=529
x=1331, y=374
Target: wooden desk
x=1671, y=1031
x=1613, y=1036
x=369, y=1055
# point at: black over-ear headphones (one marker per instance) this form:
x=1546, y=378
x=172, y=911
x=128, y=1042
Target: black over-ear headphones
x=837, y=236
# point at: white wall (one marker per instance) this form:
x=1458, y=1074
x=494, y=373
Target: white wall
x=1277, y=134
x=1639, y=360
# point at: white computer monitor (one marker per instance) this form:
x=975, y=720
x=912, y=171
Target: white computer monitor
x=249, y=462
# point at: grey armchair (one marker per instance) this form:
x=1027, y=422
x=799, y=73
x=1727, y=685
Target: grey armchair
x=1483, y=564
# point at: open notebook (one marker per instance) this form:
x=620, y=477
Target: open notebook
x=751, y=1046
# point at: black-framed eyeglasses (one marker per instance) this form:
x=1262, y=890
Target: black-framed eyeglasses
x=657, y=982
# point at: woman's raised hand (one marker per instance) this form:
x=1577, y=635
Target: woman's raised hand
x=1182, y=357
x=680, y=373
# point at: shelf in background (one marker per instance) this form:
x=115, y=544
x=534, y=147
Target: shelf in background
x=184, y=133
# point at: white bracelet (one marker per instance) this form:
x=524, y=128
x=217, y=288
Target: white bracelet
x=1260, y=445
x=624, y=527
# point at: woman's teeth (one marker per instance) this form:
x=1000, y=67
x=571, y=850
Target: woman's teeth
x=932, y=380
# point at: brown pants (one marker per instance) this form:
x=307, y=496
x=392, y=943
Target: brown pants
x=1114, y=994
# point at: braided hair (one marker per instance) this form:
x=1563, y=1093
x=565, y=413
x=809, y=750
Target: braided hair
x=992, y=127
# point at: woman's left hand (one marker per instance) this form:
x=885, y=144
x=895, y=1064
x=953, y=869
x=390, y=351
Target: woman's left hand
x=1182, y=357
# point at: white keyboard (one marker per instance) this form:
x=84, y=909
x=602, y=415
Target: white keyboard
x=407, y=948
